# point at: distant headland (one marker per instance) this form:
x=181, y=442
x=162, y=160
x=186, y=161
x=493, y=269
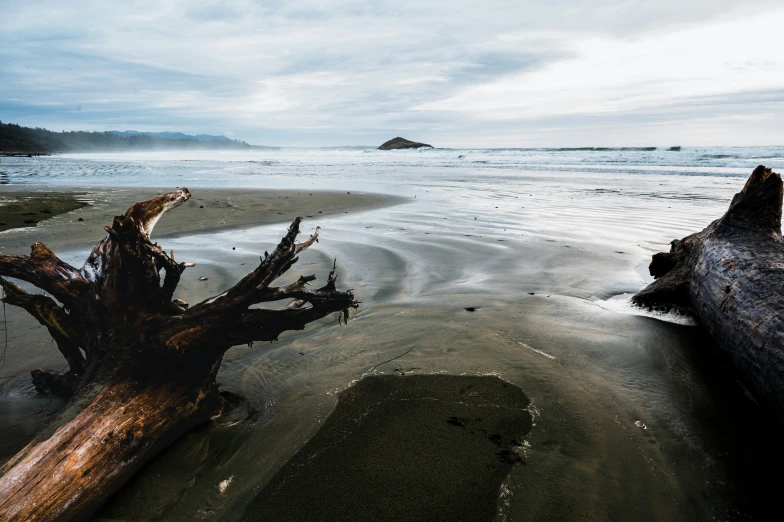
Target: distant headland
x=402, y=143
x=16, y=140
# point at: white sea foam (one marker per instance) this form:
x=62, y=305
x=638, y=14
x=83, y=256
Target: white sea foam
x=540, y=352
x=623, y=305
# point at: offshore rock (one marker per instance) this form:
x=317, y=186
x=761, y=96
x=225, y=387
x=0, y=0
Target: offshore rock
x=402, y=143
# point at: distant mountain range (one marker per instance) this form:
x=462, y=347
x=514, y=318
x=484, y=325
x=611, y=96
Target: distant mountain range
x=15, y=139
x=171, y=135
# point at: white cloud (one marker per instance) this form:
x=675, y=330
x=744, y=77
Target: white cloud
x=457, y=72
x=613, y=75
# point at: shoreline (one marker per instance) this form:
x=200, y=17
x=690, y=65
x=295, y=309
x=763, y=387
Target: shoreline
x=529, y=269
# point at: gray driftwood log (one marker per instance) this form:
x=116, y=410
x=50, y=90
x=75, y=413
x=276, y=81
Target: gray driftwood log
x=142, y=366
x=731, y=275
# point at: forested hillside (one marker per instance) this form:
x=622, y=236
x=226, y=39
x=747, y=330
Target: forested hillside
x=25, y=140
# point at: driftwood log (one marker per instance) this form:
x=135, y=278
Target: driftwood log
x=142, y=366
x=731, y=275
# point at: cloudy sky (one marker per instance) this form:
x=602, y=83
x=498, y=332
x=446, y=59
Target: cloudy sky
x=458, y=73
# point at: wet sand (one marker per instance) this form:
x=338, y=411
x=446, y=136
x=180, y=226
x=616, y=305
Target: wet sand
x=24, y=209
x=414, y=448
x=70, y=223
x=535, y=272
x=75, y=218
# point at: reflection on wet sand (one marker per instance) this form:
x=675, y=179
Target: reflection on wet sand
x=531, y=254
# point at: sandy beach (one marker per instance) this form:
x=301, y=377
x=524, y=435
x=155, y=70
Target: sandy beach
x=542, y=259
x=85, y=212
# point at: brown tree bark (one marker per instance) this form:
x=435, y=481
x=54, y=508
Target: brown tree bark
x=731, y=275
x=142, y=367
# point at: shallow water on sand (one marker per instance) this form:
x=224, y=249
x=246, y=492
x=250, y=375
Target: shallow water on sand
x=539, y=244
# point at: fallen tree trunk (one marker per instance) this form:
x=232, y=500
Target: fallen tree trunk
x=142, y=366
x=731, y=275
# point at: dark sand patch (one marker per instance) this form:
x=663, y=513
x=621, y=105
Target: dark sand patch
x=420, y=447
x=27, y=210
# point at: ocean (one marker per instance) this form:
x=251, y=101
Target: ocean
x=236, y=167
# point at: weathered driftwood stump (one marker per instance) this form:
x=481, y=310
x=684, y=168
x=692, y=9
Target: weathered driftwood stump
x=142, y=367
x=731, y=275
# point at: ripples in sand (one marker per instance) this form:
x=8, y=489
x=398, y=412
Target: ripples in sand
x=538, y=255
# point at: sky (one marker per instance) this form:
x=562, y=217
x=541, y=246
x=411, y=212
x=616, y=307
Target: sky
x=495, y=73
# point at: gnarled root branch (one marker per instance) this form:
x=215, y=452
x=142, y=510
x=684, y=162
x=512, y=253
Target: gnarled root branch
x=150, y=361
